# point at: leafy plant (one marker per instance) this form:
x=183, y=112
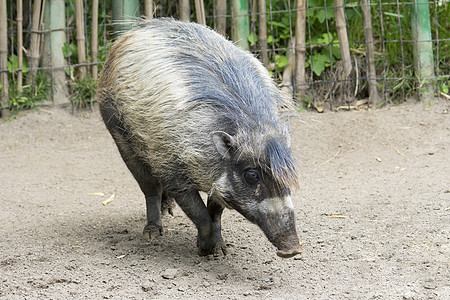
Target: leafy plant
x=70, y=52
x=83, y=92
x=13, y=64
x=31, y=94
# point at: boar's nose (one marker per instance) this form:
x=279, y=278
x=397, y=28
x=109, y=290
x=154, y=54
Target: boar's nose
x=290, y=252
x=288, y=245
x=278, y=223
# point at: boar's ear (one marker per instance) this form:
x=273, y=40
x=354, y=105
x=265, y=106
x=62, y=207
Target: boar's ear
x=223, y=142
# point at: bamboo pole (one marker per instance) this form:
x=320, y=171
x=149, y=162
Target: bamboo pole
x=262, y=32
x=148, y=6
x=19, y=20
x=240, y=23
x=341, y=29
x=54, y=39
x=80, y=36
x=200, y=12
x=374, y=98
x=300, y=48
x=221, y=21
x=423, y=47
x=123, y=13
x=34, y=52
x=4, y=97
x=94, y=46
x=185, y=10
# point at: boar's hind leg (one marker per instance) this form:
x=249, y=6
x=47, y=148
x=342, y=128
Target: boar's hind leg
x=192, y=205
x=152, y=190
x=149, y=185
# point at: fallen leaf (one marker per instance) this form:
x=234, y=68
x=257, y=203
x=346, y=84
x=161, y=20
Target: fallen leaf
x=362, y=102
x=339, y=217
x=109, y=199
x=97, y=194
x=319, y=108
x=398, y=151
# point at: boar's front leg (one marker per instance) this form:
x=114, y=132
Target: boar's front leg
x=192, y=205
x=215, y=210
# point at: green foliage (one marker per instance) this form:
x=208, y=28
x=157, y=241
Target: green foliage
x=252, y=39
x=31, y=94
x=322, y=47
x=83, y=92
x=13, y=64
x=70, y=52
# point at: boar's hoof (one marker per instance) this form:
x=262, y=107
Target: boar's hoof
x=168, y=207
x=152, y=232
x=218, y=250
x=289, y=253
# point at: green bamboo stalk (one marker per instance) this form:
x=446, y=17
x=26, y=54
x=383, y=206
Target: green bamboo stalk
x=55, y=36
x=4, y=112
x=423, y=48
x=241, y=29
x=123, y=13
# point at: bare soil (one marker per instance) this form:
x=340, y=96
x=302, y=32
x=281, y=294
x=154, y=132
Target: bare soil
x=373, y=212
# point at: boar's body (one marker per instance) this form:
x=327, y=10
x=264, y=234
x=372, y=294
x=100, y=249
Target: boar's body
x=191, y=112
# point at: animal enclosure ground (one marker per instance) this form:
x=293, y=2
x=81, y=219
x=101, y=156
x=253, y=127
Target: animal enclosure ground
x=373, y=212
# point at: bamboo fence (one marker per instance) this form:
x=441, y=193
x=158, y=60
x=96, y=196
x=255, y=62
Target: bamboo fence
x=360, y=71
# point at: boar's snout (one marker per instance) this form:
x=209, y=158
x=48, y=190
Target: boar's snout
x=279, y=226
x=289, y=246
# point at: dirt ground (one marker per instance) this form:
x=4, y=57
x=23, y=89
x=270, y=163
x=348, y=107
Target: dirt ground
x=373, y=212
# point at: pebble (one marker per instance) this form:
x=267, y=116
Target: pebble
x=409, y=295
x=169, y=273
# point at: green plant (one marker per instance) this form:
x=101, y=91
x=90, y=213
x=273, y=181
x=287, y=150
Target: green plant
x=13, y=64
x=31, y=94
x=83, y=92
x=70, y=52
x=322, y=46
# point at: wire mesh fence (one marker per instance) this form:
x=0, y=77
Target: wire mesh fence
x=326, y=54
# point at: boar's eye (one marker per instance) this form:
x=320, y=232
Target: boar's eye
x=251, y=176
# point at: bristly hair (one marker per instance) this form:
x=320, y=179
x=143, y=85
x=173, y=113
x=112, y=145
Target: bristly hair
x=281, y=164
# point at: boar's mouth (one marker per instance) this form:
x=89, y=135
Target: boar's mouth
x=287, y=244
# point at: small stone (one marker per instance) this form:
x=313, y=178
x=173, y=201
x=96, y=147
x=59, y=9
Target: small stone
x=169, y=274
x=222, y=276
x=206, y=284
x=263, y=287
x=146, y=288
x=409, y=295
